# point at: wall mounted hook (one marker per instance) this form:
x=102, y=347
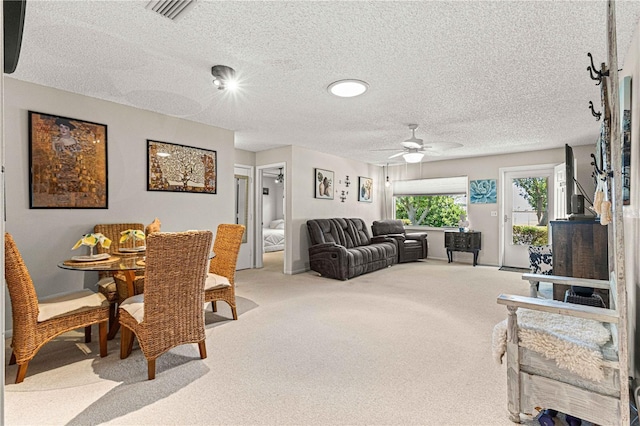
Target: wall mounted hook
x=597, y=115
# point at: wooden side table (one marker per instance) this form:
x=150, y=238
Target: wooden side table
x=463, y=241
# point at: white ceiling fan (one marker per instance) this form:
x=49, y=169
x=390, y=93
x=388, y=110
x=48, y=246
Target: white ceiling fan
x=413, y=149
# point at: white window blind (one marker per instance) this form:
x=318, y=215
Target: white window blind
x=435, y=186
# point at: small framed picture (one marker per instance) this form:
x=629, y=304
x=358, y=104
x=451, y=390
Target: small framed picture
x=265, y=191
x=365, y=189
x=323, y=183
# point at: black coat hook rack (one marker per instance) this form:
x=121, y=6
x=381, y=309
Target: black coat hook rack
x=597, y=115
x=598, y=73
x=597, y=172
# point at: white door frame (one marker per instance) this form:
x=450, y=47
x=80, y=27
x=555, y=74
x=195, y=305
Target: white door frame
x=250, y=222
x=258, y=216
x=503, y=188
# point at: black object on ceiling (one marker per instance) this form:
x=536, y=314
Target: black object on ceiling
x=13, y=14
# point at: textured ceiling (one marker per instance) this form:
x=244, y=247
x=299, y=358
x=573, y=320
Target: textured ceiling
x=496, y=77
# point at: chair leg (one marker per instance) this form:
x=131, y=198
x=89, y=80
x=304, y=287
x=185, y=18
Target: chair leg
x=22, y=372
x=102, y=333
x=214, y=308
x=126, y=342
x=234, y=312
x=202, y=346
x=87, y=334
x=151, y=368
x=12, y=360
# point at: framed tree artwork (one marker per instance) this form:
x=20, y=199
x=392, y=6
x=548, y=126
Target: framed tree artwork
x=180, y=168
x=365, y=189
x=323, y=183
x=67, y=163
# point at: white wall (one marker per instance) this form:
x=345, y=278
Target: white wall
x=632, y=211
x=45, y=236
x=270, y=202
x=488, y=168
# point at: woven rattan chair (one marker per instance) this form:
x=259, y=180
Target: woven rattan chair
x=37, y=322
x=220, y=284
x=115, y=291
x=169, y=313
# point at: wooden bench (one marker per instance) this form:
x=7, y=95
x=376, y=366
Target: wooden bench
x=534, y=381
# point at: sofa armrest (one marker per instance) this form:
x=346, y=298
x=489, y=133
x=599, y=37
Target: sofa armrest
x=327, y=247
x=384, y=239
x=418, y=236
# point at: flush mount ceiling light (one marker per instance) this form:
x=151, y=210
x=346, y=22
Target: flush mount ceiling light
x=348, y=88
x=413, y=156
x=224, y=77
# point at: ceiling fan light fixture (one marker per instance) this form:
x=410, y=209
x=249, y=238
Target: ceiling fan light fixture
x=280, y=178
x=413, y=157
x=348, y=88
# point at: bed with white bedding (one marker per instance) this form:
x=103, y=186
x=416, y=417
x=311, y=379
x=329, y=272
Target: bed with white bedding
x=273, y=236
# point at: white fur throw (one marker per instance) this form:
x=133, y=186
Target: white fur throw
x=574, y=343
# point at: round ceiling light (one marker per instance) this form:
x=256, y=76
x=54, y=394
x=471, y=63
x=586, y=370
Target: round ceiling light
x=348, y=88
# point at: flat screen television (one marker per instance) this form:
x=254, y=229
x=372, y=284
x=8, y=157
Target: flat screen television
x=570, y=186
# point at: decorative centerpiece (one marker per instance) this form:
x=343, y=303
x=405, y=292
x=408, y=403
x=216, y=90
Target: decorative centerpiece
x=90, y=240
x=134, y=235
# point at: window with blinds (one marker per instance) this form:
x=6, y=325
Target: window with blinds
x=436, y=202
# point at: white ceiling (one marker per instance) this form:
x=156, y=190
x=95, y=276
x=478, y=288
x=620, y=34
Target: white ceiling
x=496, y=77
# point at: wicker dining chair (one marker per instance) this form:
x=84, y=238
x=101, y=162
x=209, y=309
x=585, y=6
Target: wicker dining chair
x=36, y=322
x=169, y=312
x=107, y=284
x=220, y=284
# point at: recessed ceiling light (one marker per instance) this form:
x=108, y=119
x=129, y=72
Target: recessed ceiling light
x=348, y=88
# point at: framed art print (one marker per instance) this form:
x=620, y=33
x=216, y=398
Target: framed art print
x=323, y=183
x=365, y=189
x=67, y=163
x=483, y=191
x=180, y=168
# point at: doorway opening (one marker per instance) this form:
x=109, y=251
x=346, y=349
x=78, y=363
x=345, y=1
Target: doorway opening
x=271, y=218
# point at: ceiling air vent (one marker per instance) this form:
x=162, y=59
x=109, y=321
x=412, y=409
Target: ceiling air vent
x=172, y=9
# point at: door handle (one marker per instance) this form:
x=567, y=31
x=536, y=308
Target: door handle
x=506, y=218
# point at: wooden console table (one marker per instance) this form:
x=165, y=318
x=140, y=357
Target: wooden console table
x=463, y=241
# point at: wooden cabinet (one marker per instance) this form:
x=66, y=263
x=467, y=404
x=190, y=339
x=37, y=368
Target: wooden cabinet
x=463, y=241
x=579, y=250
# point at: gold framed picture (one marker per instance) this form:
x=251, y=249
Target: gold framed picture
x=67, y=163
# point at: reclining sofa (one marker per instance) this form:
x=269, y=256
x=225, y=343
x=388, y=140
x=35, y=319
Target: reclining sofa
x=411, y=246
x=342, y=248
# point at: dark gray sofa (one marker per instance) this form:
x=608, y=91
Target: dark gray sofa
x=342, y=248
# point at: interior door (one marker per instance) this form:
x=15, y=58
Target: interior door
x=526, y=218
x=243, y=215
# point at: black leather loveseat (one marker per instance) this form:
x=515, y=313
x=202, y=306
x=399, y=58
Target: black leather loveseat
x=411, y=246
x=342, y=248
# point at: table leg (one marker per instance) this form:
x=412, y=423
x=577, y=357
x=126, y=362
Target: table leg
x=475, y=257
x=449, y=256
x=130, y=277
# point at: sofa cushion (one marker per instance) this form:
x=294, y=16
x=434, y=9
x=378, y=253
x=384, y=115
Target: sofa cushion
x=387, y=226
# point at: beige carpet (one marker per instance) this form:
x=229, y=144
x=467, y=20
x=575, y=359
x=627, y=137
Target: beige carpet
x=410, y=344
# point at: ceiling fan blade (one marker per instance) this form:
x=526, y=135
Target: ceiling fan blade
x=384, y=149
x=443, y=146
x=397, y=155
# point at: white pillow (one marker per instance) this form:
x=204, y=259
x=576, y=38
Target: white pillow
x=280, y=225
x=274, y=223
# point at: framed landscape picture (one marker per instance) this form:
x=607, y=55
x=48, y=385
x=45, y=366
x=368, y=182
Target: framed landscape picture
x=67, y=163
x=365, y=189
x=323, y=183
x=180, y=168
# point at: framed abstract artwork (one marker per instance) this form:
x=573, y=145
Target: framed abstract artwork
x=483, y=191
x=180, y=168
x=365, y=189
x=323, y=183
x=67, y=163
